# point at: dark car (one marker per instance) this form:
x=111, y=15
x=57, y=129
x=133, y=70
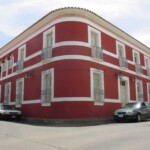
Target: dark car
x=135, y=111
x=8, y=111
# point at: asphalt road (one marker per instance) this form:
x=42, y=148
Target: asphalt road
x=122, y=136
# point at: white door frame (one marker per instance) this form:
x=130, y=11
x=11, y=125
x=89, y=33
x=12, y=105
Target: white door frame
x=126, y=79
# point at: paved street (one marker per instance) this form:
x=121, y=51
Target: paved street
x=122, y=136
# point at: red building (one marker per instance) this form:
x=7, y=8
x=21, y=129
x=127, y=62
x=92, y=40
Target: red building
x=73, y=64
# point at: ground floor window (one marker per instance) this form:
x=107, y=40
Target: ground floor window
x=7, y=93
x=97, y=86
x=139, y=90
x=47, y=86
x=19, y=91
x=148, y=92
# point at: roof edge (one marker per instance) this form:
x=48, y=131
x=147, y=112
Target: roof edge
x=86, y=14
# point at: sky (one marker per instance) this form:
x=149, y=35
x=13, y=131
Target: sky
x=132, y=16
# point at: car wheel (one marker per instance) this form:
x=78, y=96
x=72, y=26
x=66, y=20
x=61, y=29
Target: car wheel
x=138, y=118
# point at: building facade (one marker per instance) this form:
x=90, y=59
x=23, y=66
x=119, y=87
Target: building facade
x=73, y=64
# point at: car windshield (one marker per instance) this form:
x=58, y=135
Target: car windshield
x=7, y=107
x=132, y=105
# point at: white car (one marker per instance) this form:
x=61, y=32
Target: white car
x=8, y=111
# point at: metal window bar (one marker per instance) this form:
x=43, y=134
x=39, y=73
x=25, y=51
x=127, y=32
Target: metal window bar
x=6, y=100
x=140, y=97
x=100, y=94
x=97, y=52
x=148, y=72
x=19, y=65
x=46, y=95
x=19, y=99
x=123, y=62
x=46, y=53
x=139, y=68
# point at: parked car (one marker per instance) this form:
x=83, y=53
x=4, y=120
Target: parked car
x=8, y=111
x=135, y=111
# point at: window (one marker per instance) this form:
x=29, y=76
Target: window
x=49, y=39
x=47, y=84
x=136, y=59
x=48, y=43
x=147, y=65
x=146, y=62
x=1, y=69
x=11, y=62
x=139, y=90
x=21, y=57
x=0, y=93
x=5, y=64
x=95, y=43
x=97, y=86
x=121, y=54
x=7, y=93
x=94, y=39
x=19, y=91
x=148, y=92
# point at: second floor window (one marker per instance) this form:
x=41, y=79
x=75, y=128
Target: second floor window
x=136, y=59
x=21, y=57
x=122, y=55
x=10, y=62
x=94, y=39
x=49, y=40
x=5, y=64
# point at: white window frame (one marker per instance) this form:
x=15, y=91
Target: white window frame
x=17, y=91
x=1, y=74
x=90, y=30
x=11, y=62
x=5, y=64
x=138, y=54
x=126, y=79
x=0, y=93
x=19, y=52
x=148, y=94
x=141, y=85
x=146, y=59
x=123, y=46
x=50, y=71
x=92, y=71
x=49, y=31
x=9, y=86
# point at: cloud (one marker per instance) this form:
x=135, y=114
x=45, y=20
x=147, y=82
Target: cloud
x=16, y=15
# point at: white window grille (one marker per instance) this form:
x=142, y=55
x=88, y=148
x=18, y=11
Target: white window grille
x=98, y=87
x=46, y=91
x=123, y=62
x=19, y=91
x=21, y=58
x=7, y=93
x=46, y=53
x=139, y=90
x=97, y=52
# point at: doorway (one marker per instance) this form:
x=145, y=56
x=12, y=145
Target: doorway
x=123, y=92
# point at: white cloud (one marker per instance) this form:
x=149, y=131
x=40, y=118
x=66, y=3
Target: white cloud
x=16, y=15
